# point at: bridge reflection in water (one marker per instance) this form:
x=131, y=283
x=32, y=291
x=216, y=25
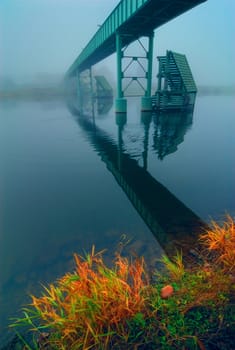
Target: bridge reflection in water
x=174, y=225
x=170, y=128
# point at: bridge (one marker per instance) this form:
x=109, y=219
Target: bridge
x=128, y=22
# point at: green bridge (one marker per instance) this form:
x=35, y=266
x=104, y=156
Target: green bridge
x=128, y=22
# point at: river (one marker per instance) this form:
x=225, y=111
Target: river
x=145, y=184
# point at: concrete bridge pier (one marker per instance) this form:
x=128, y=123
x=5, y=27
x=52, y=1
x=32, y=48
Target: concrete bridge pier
x=146, y=101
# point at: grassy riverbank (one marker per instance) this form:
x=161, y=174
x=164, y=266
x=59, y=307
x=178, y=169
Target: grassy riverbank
x=122, y=307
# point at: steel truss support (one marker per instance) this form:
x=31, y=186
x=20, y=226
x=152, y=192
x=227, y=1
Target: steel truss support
x=146, y=103
x=79, y=91
x=85, y=88
x=91, y=91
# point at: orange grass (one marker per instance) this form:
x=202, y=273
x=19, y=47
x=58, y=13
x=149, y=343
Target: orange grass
x=97, y=307
x=220, y=240
x=89, y=305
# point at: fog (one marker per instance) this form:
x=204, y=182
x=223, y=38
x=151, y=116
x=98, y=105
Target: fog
x=40, y=39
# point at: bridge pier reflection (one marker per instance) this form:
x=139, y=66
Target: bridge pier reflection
x=146, y=118
x=173, y=224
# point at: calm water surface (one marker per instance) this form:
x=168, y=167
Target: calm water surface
x=67, y=182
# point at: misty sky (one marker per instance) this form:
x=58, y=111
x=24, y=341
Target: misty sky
x=45, y=36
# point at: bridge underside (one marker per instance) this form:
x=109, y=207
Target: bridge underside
x=133, y=19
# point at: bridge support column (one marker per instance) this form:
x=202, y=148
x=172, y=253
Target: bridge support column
x=121, y=105
x=91, y=92
x=146, y=102
x=79, y=93
x=91, y=83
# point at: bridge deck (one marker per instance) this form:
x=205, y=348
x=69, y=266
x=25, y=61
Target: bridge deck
x=137, y=18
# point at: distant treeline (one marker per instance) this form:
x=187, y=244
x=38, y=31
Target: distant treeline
x=32, y=93
x=61, y=91
x=216, y=90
